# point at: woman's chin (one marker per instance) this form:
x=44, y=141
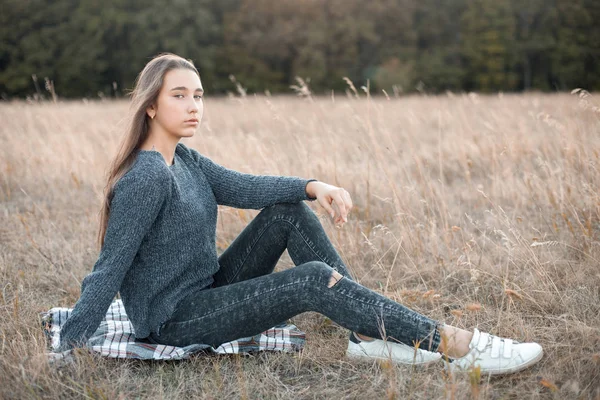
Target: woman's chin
x=187, y=133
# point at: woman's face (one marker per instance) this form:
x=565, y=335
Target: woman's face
x=179, y=108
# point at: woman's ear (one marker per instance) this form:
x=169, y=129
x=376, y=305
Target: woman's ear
x=151, y=111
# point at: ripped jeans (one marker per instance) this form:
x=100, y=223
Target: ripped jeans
x=247, y=297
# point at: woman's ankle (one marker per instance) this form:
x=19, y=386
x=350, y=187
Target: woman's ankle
x=363, y=337
x=455, y=341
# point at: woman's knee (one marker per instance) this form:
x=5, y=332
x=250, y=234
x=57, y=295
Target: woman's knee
x=322, y=270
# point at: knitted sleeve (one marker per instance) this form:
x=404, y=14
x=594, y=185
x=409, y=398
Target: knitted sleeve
x=137, y=200
x=240, y=190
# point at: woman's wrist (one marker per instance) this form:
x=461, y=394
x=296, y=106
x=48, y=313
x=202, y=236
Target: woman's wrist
x=310, y=189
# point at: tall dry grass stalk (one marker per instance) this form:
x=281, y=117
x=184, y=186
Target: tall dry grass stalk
x=476, y=210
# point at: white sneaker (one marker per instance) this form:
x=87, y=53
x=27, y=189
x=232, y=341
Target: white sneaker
x=387, y=350
x=495, y=355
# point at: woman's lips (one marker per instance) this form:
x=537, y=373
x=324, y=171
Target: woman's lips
x=192, y=122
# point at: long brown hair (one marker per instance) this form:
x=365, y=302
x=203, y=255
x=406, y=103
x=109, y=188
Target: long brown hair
x=145, y=93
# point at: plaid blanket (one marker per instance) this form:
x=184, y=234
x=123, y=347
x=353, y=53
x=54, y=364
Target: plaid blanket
x=115, y=338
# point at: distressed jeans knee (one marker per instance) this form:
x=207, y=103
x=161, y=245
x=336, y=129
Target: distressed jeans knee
x=335, y=277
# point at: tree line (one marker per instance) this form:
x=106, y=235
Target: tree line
x=96, y=48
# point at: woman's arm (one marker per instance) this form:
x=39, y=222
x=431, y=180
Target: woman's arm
x=236, y=189
x=136, y=202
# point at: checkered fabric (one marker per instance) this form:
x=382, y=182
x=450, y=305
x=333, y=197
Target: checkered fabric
x=115, y=338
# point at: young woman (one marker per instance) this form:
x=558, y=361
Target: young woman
x=157, y=239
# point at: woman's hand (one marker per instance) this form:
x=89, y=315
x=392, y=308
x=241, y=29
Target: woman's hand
x=335, y=200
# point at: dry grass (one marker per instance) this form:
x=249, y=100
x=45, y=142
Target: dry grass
x=479, y=211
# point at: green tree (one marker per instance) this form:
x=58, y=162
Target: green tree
x=488, y=45
x=31, y=39
x=440, y=64
x=573, y=54
x=534, y=42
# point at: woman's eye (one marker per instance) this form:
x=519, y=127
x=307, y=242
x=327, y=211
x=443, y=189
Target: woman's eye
x=181, y=96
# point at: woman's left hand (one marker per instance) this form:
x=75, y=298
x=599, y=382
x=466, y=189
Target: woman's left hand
x=335, y=200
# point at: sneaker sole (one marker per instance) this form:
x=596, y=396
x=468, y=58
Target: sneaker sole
x=509, y=370
x=364, y=357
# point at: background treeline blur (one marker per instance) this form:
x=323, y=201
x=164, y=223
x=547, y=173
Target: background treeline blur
x=97, y=47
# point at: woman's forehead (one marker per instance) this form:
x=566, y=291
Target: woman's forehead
x=182, y=78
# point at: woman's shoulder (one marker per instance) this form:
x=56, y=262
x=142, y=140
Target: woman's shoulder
x=148, y=168
x=191, y=154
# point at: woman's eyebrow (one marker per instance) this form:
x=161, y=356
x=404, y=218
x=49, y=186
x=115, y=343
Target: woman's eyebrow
x=184, y=88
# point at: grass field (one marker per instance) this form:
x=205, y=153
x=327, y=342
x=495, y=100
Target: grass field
x=475, y=210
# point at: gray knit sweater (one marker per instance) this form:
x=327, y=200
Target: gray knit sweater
x=160, y=238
